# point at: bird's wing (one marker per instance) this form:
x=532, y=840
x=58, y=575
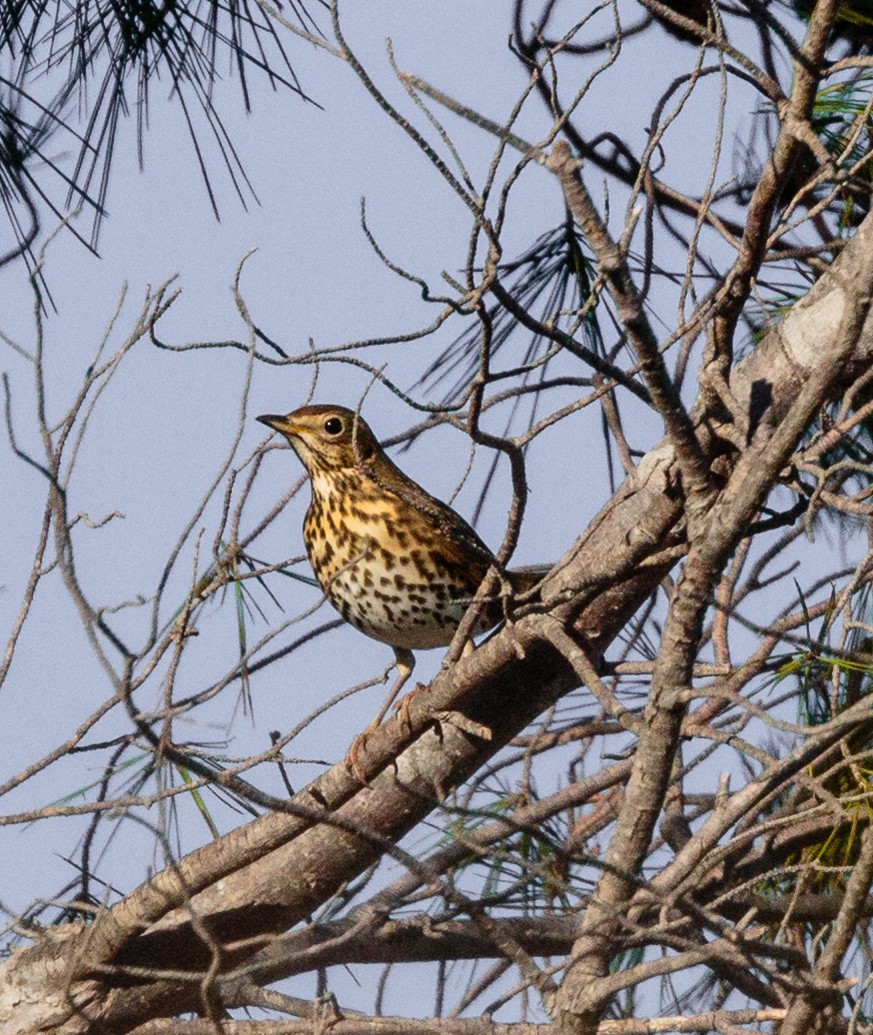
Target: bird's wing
x=460, y=537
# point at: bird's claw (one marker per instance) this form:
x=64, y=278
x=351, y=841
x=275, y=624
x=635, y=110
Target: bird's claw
x=351, y=759
x=403, y=707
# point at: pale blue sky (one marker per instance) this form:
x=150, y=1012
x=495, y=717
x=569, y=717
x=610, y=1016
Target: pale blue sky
x=164, y=424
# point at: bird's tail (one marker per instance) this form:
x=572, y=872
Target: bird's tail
x=524, y=579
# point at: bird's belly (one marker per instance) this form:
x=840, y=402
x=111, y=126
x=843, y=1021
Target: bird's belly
x=391, y=585
x=396, y=606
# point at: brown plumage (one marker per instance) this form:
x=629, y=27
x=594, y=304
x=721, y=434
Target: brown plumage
x=397, y=563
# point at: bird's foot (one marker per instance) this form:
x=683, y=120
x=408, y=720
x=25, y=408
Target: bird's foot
x=403, y=707
x=405, y=662
x=358, y=745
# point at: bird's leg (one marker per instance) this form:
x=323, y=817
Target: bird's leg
x=403, y=706
x=405, y=662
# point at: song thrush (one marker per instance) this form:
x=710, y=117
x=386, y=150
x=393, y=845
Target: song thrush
x=394, y=561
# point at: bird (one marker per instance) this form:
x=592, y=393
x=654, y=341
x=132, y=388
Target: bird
x=397, y=563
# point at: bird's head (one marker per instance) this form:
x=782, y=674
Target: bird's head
x=326, y=438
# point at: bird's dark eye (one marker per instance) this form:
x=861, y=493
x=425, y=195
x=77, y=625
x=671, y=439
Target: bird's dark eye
x=333, y=425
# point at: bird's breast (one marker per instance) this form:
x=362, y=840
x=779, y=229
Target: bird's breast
x=387, y=569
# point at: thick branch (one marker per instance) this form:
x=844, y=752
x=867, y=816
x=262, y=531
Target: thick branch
x=270, y=874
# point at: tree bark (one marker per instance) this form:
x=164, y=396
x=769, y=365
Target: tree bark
x=221, y=904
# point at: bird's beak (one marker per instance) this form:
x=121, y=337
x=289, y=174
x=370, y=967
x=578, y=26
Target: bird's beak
x=275, y=421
